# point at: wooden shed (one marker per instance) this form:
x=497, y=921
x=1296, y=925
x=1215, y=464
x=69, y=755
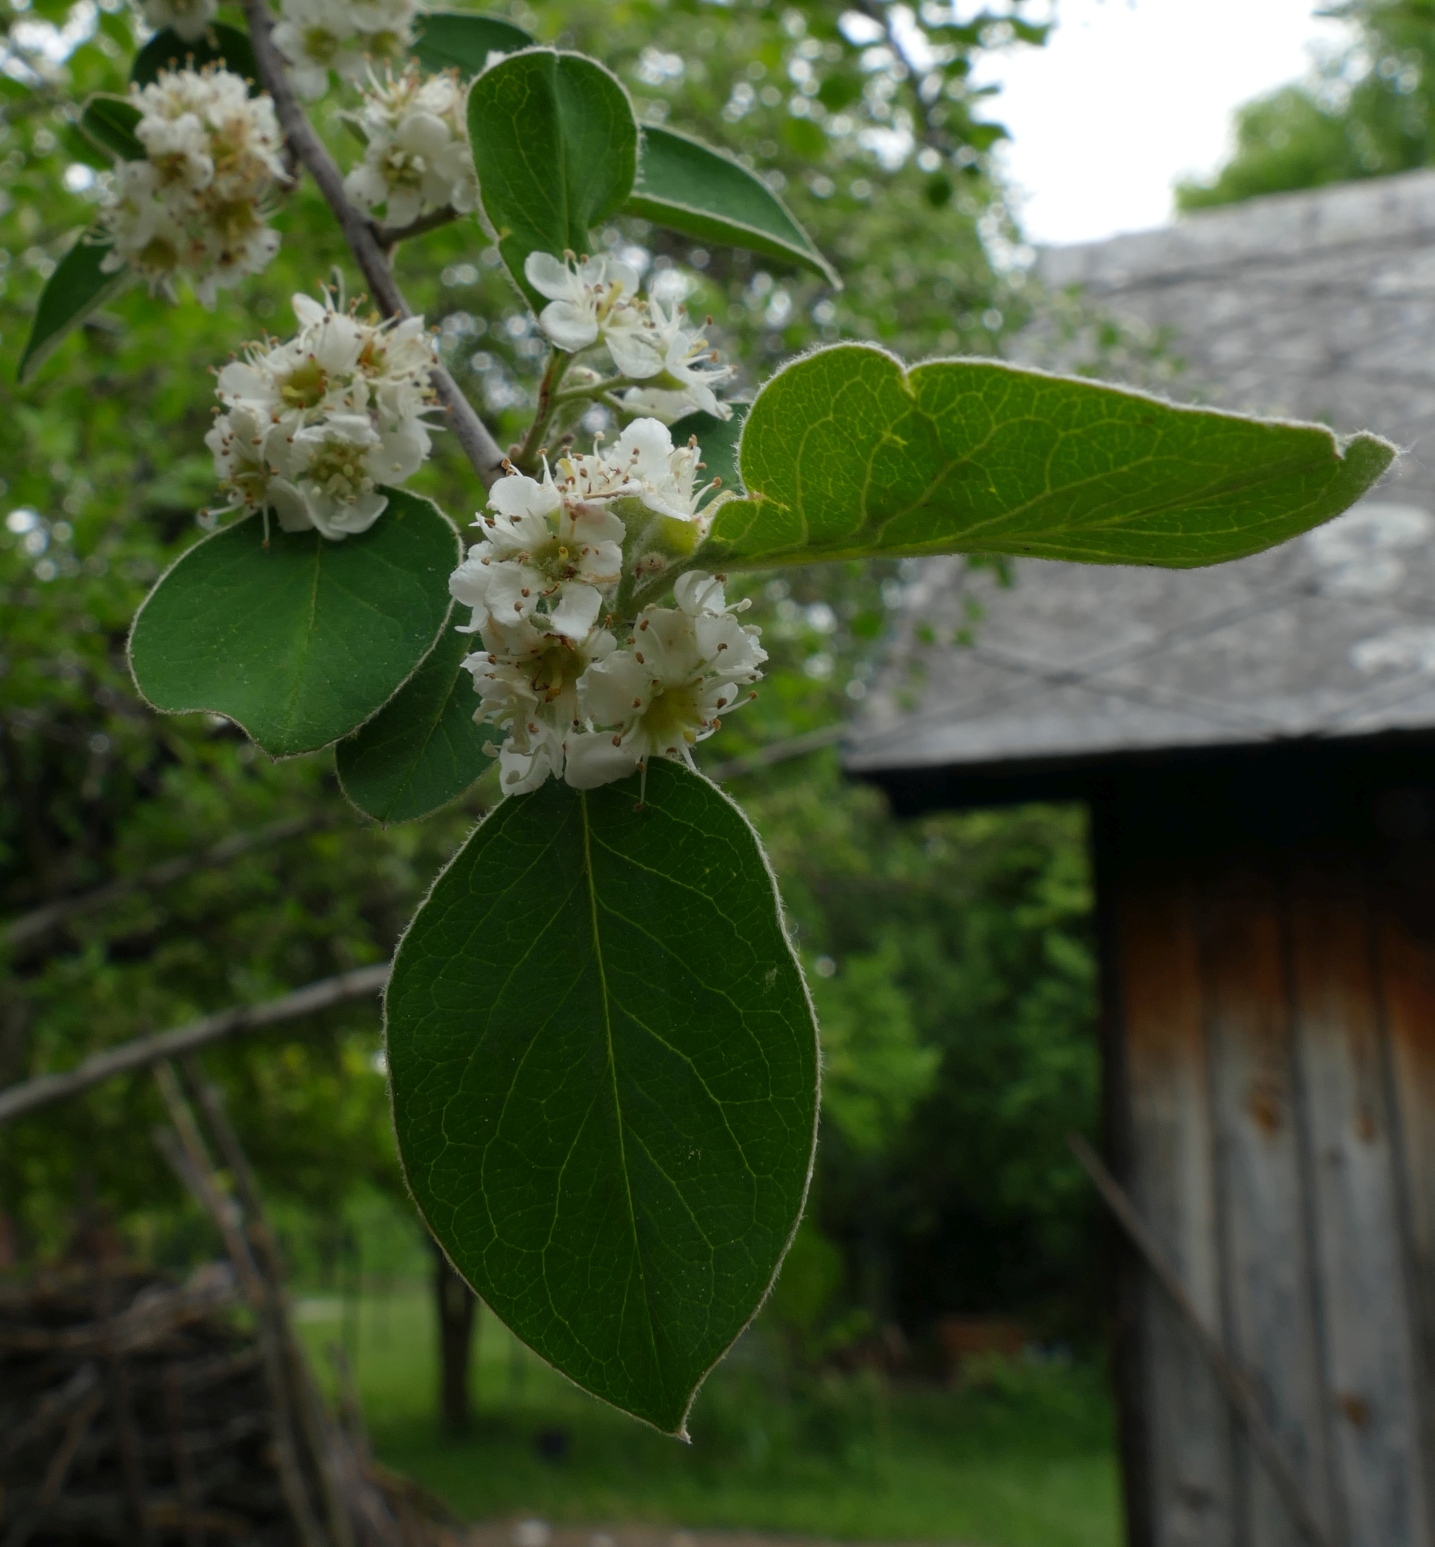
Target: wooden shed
x=1256, y=745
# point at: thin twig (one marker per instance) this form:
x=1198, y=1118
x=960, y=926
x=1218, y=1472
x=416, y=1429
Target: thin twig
x=388, y=237
x=184, y=1148
x=183, y=1462
x=359, y=232
x=55, y=1474
x=1233, y=1382
x=362, y=983
x=270, y=1263
x=165, y=873
x=525, y=455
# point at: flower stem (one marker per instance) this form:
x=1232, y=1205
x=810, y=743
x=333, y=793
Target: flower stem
x=469, y=430
x=596, y=389
x=525, y=457
x=388, y=237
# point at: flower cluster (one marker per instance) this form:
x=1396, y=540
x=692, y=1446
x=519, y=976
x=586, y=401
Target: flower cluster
x=417, y=158
x=317, y=36
x=581, y=694
x=196, y=204
x=665, y=368
x=313, y=427
x=186, y=18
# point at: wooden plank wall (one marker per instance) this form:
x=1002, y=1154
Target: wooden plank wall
x=1278, y=1016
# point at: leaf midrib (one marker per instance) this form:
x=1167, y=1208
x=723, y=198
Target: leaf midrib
x=592, y=882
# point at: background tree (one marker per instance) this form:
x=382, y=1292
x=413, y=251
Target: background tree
x=1366, y=112
x=867, y=125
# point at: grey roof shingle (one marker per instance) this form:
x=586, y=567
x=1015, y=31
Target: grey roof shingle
x=1318, y=306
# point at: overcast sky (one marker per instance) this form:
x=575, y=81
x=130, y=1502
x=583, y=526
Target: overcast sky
x=1129, y=95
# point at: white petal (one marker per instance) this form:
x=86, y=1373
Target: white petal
x=551, y=277
x=570, y=325
x=309, y=311
x=518, y=495
x=648, y=445
x=635, y=350
x=576, y=612
x=608, y=688
x=696, y=592
x=289, y=505
x=593, y=760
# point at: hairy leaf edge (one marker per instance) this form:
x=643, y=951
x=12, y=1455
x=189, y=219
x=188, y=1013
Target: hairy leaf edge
x=35, y=354
x=810, y=256
x=279, y=757
x=1340, y=444
x=681, y=1431
x=481, y=214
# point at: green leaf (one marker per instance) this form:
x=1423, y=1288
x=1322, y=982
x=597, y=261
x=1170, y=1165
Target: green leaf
x=689, y=187
x=845, y=454
x=219, y=44
x=302, y=641
x=604, y=1072
x=422, y=749
x=77, y=287
x=463, y=40
x=555, y=144
x=717, y=439
x=110, y=121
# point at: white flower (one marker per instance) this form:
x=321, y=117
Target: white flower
x=316, y=36
x=317, y=425
x=187, y=18
x=417, y=157
x=583, y=298
x=664, y=475
x=675, y=361
x=666, y=692
x=527, y=682
x=196, y=205
x=540, y=549
x=240, y=442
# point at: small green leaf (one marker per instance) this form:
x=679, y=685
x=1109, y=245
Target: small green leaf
x=78, y=287
x=604, y=1072
x=219, y=44
x=717, y=440
x=689, y=187
x=422, y=749
x=845, y=454
x=463, y=40
x=109, y=121
x=302, y=641
x=555, y=144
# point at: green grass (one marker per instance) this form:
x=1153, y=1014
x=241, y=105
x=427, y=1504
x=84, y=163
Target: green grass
x=1022, y=1457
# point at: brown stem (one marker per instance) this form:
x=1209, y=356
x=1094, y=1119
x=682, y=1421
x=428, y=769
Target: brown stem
x=388, y=237
x=525, y=455
x=471, y=432
x=270, y=1263
x=184, y=1148
x=362, y=983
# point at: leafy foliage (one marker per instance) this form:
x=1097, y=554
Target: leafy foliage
x=556, y=149
x=614, y=1148
x=297, y=639
x=688, y=187
x=422, y=750
x=1368, y=112
x=844, y=454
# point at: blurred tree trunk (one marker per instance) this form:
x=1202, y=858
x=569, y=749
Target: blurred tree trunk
x=455, y=1305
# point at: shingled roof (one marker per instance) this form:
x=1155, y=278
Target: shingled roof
x=1319, y=306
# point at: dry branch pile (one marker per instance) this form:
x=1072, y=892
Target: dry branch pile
x=137, y=1410
x=134, y=1409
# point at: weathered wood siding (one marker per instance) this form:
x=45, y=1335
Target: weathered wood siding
x=1277, y=1021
